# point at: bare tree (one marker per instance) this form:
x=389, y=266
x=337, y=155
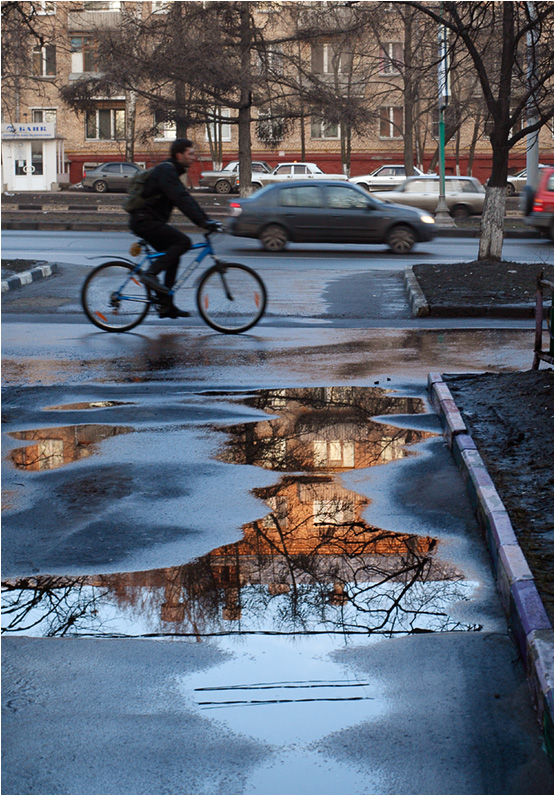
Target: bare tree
x=510, y=48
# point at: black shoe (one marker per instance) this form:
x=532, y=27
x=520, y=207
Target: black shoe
x=151, y=280
x=172, y=312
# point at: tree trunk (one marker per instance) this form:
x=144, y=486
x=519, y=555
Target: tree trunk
x=408, y=136
x=244, y=132
x=130, y=115
x=492, y=225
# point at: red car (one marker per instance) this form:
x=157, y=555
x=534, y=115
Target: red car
x=540, y=215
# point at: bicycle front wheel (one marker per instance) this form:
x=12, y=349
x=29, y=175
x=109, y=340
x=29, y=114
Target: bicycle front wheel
x=231, y=298
x=113, y=298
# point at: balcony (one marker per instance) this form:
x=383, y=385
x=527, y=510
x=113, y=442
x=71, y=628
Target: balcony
x=89, y=21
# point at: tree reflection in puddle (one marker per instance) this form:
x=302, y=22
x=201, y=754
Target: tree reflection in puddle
x=311, y=565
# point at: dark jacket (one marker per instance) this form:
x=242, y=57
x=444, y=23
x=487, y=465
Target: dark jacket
x=164, y=191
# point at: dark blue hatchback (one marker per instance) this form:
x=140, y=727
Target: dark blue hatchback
x=325, y=211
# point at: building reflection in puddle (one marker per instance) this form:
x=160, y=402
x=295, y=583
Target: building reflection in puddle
x=56, y=447
x=312, y=564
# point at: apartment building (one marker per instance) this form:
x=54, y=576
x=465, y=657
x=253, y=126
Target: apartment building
x=47, y=145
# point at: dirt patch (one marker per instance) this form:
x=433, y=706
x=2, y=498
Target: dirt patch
x=12, y=267
x=480, y=284
x=510, y=417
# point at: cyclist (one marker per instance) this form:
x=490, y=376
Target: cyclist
x=163, y=190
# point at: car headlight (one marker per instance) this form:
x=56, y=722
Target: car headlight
x=428, y=219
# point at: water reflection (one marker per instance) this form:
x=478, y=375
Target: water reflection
x=56, y=447
x=86, y=405
x=312, y=564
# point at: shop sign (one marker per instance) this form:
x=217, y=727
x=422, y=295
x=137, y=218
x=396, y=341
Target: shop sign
x=36, y=130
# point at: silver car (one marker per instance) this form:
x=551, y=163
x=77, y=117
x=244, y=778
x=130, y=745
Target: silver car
x=464, y=195
x=225, y=181
x=516, y=182
x=385, y=178
x=110, y=177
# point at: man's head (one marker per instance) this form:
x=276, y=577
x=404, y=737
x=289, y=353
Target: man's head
x=183, y=151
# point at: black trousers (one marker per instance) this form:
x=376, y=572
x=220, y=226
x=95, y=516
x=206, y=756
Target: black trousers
x=163, y=238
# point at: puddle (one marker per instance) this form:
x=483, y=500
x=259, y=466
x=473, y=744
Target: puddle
x=56, y=447
x=311, y=565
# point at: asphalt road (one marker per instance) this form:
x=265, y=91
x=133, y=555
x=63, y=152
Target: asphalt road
x=241, y=703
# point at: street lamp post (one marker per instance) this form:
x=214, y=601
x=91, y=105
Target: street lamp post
x=442, y=211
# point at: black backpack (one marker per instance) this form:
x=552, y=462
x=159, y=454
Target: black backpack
x=135, y=199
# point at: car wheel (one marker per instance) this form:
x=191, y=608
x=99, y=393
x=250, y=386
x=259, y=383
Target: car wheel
x=100, y=186
x=460, y=211
x=273, y=238
x=401, y=239
x=510, y=189
x=223, y=186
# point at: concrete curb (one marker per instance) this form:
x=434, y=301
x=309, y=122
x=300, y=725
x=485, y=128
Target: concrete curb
x=26, y=277
x=527, y=618
x=418, y=304
x=420, y=307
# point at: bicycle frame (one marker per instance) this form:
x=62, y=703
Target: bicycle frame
x=205, y=249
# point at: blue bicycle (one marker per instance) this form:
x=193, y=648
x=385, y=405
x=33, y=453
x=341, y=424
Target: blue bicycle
x=231, y=297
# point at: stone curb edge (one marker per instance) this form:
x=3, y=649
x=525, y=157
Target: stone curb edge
x=420, y=307
x=526, y=615
x=418, y=303
x=26, y=277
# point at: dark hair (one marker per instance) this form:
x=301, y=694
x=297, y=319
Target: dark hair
x=180, y=145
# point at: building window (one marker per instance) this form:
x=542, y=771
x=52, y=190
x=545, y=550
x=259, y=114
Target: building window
x=391, y=122
x=84, y=54
x=44, y=61
x=45, y=7
x=334, y=453
x=391, y=58
x=101, y=5
x=105, y=124
x=319, y=128
x=160, y=6
x=43, y=115
x=166, y=129
x=218, y=130
x=326, y=60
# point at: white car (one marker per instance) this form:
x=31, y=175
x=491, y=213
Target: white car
x=293, y=171
x=385, y=178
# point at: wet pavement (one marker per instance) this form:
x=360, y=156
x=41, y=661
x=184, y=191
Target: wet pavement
x=269, y=591
x=249, y=564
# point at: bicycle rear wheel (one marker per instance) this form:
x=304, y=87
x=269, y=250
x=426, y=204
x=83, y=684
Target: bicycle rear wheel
x=113, y=299
x=231, y=298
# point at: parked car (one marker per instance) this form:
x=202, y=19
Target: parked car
x=516, y=182
x=464, y=195
x=385, y=178
x=225, y=181
x=293, y=171
x=110, y=176
x=326, y=212
x=541, y=213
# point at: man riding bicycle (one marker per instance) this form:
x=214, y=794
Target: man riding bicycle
x=163, y=190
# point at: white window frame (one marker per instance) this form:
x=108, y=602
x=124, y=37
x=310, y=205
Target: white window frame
x=113, y=128
x=387, y=58
x=113, y=5
x=48, y=114
x=324, y=135
x=46, y=7
x=165, y=131
x=394, y=132
x=160, y=6
x=43, y=60
x=225, y=128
